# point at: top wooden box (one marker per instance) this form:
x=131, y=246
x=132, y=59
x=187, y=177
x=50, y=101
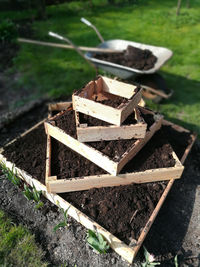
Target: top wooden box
x=89, y=100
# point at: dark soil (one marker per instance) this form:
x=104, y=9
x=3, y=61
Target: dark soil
x=114, y=103
x=29, y=152
x=131, y=57
x=113, y=149
x=22, y=123
x=177, y=139
x=114, y=207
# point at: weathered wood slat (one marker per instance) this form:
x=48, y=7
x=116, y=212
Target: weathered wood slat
x=87, y=133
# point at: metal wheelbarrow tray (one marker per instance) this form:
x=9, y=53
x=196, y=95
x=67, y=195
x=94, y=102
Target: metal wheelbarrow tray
x=163, y=54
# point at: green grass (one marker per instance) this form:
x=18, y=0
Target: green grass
x=59, y=71
x=17, y=246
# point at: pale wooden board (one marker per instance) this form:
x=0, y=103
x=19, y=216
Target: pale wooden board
x=96, y=156
x=104, y=112
x=118, y=88
x=87, y=133
x=126, y=252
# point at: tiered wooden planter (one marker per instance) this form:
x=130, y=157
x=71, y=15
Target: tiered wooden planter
x=128, y=253
x=96, y=156
x=102, y=89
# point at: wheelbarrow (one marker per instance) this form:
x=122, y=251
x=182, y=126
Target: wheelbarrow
x=154, y=85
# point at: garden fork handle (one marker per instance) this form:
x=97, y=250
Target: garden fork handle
x=89, y=24
x=74, y=46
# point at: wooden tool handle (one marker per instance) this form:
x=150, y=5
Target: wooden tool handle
x=82, y=48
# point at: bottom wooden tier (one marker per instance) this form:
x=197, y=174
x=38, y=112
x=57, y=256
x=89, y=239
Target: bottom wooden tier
x=125, y=251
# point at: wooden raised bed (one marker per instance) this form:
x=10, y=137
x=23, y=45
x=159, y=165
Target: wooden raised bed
x=125, y=251
x=87, y=133
x=103, y=89
x=97, y=157
x=55, y=185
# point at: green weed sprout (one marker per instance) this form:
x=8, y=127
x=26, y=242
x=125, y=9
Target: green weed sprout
x=149, y=259
x=10, y=174
x=63, y=223
x=33, y=194
x=97, y=242
x=176, y=261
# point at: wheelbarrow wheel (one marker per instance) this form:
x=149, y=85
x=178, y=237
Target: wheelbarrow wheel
x=154, y=97
x=157, y=83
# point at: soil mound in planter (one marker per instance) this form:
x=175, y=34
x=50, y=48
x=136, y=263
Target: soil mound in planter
x=132, y=57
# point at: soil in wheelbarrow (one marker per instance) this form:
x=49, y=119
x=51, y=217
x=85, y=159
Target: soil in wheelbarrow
x=122, y=210
x=113, y=149
x=132, y=57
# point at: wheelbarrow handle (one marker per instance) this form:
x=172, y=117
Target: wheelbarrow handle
x=88, y=23
x=56, y=36
x=76, y=48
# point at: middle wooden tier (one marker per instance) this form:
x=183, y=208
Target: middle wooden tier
x=90, y=129
x=111, y=156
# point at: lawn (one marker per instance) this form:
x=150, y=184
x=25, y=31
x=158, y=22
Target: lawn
x=58, y=71
x=18, y=246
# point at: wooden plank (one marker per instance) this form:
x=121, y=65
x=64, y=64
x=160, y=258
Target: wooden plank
x=96, y=156
x=82, y=48
x=86, y=151
x=112, y=132
x=126, y=252
x=138, y=145
x=59, y=106
x=104, y=112
x=115, y=87
x=89, y=182
x=98, y=133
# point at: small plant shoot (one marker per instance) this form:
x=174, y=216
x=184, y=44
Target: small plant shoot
x=10, y=174
x=63, y=223
x=97, y=242
x=33, y=194
x=149, y=259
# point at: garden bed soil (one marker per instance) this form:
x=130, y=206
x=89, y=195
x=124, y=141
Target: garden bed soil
x=113, y=149
x=19, y=123
x=28, y=153
x=131, y=57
